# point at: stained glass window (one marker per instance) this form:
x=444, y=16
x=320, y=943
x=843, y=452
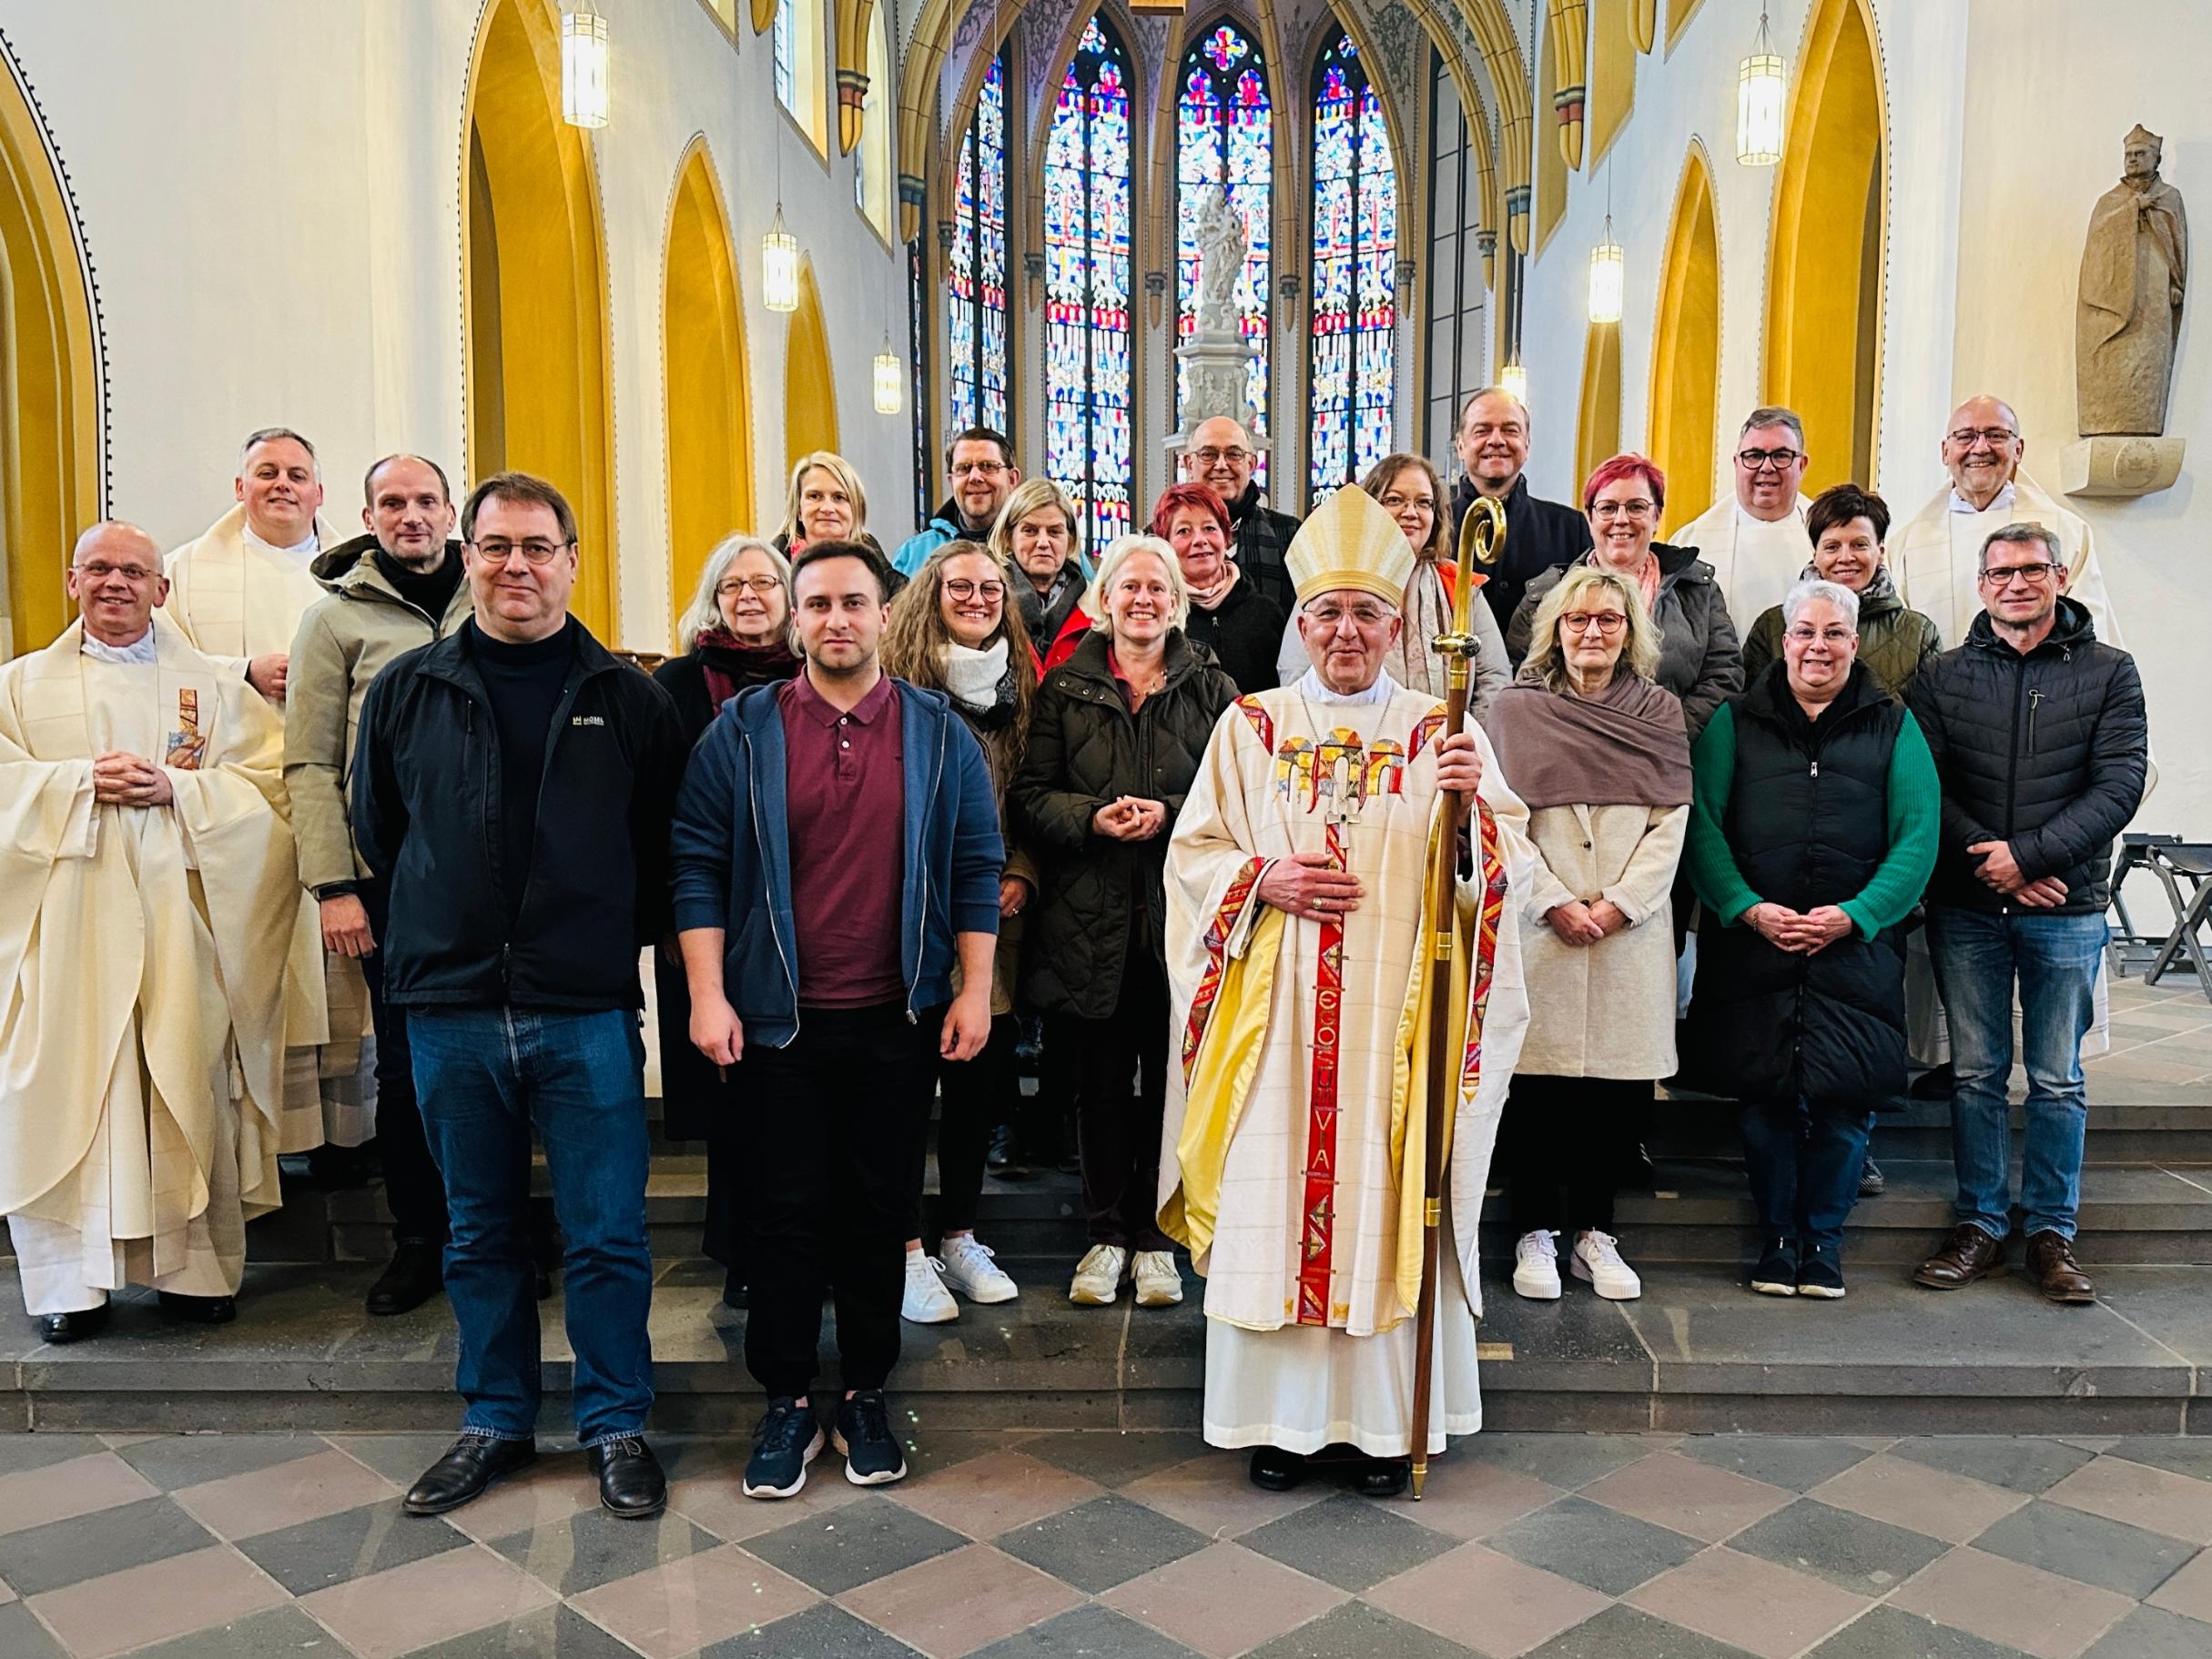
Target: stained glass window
x=1224, y=135
x=784, y=48
x=1088, y=215
x=975, y=368
x=1355, y=274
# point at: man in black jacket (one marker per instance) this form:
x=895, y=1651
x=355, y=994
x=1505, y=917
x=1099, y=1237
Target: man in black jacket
x=514, y=785
x=1492, y=444
x=1219, y=455
x=2040, y=736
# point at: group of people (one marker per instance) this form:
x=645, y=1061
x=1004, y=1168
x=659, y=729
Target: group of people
x=403, y=827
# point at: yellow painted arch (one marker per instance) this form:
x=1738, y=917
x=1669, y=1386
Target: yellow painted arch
x=810, y=388
x=1598, y=423
x=1686, y=346
x=533, y=264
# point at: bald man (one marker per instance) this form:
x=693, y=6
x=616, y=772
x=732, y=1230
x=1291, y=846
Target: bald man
x=1219, y=456
x=1492, y=444
x=162, y=953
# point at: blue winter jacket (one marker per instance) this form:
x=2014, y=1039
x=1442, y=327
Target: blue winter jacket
x=730, y=850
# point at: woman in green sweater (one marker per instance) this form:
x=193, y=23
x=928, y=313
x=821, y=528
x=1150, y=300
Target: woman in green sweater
x=1813, y=830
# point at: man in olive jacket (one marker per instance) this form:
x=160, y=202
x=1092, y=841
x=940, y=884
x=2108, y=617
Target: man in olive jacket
x=390, y=589
x=2041, y=739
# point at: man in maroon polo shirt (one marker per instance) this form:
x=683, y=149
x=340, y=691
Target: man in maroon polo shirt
x=836, y=855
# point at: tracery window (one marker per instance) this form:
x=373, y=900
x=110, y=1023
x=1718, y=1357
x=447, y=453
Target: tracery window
x=1088, y=218
x=1453, y=286
x=975, y=367
x=1224, y=135
x=1355, y=253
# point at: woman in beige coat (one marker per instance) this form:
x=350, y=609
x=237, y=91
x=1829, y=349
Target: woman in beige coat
x=1601, y=755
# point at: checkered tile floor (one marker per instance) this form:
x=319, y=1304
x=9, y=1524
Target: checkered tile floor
x=1134, y=1546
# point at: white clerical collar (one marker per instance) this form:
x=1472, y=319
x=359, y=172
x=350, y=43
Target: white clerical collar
x=1311, y=688
x=2002, y=502
x=297, y=549
x=140, y=649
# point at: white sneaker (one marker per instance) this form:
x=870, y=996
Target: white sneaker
x=1159, y=1285
x=1536, y=1267
x=1597, y=1259
x=968, y=1268
x=1098, y=1277
x=927, y=1302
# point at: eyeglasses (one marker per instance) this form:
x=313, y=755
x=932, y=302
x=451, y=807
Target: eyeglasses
x=1995, y=437
x=761, y=586
x=1619, y=510
x=1607, y=622
x=959, y=587
x=1395, y=502
x=2000, y=575
x=1781, y=460
x=1362, y=616
x=500, y=550
x=132, y=573
x=1805, y=634
x=987, y=469
x=1212, y=457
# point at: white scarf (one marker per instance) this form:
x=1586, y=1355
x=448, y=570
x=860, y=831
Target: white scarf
x=1311, y=688
x=971, y=677
x=140, y=649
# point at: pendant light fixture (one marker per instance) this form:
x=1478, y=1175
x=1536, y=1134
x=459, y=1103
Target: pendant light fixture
x=779, y=255
x=1760, y=86
x=1608, y=270
x=1514, y=378
x=890, y=379
x=583, y=67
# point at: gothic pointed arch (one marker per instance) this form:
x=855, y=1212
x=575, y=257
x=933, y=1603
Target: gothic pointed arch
x=1598, y=420
x=810, y=386
x=53, y=415
x=707, y=385
x=533, y=264
x=1686, y=346
x=1824, y=350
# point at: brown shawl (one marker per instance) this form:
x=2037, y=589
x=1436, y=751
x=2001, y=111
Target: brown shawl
x=1626, y=747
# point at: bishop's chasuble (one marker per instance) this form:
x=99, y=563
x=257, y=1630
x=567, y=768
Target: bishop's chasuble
x=237, y=598
x=154, y=962
x=1295, y=1126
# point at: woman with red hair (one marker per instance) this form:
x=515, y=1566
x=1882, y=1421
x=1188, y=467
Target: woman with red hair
x=1700, y=661
x=1228, y=614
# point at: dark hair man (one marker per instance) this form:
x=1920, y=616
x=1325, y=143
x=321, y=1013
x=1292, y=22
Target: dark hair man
x=1492, y=444
x=836, y=857
x=514, y=790
x=390, y=589
x=2042, y=741
x=979, y=474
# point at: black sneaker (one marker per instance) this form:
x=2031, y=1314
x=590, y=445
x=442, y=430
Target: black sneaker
x=1820, y=1274
x=788, y=1440
x=1776, y=1274
x=872, y=1457
x=1871, y=1182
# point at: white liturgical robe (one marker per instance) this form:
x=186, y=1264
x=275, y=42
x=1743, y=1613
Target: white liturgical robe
x=1757, y=563
x=154, y=963
x=235, y=597
x=1296, y=1125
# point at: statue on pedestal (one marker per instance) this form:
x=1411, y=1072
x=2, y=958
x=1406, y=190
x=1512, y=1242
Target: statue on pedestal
x=2135, y=268
x=1220, y=235
x=1216, y=358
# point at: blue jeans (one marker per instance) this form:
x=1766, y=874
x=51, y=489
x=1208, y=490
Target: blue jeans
x=484, y=1077
x=1804, y=1166
x=1978, y=955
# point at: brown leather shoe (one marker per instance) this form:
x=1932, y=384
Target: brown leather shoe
x=2050, y=1260
x=1967, y=1255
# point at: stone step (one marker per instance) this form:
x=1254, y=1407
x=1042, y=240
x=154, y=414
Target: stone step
x=1698, y=1353
x=2156, y=1123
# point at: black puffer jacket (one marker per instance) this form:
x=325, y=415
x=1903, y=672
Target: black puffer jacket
x=1102, y=898
x=1808, y=824
x=2048, y=751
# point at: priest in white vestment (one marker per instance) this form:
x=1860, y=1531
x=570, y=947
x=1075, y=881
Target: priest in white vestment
x=156, y=955
x=238, y=593
x=1295, y=1127
x=1755, y=540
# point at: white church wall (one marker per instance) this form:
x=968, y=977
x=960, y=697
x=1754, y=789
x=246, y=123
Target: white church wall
x=270, y=193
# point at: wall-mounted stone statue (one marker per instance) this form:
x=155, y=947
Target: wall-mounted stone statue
x=2134, y=268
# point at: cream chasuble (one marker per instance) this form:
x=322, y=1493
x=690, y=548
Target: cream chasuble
x=237, y=598
x=1296, y=1108
x=1756, y=563
x=156, y=963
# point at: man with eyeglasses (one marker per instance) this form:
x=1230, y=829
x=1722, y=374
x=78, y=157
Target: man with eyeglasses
x=1755, y=540
x=514, y=791
x=1492, y=444
x=164, y=956
x=981, y=473
x=2041, y=739
x=1219, y=455
x=395, y=587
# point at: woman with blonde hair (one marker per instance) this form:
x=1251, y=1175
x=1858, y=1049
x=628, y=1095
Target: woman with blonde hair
x=952, y=630
x=1600, y=753
x=1039, y=538
x=824, y=503
x=736, y=633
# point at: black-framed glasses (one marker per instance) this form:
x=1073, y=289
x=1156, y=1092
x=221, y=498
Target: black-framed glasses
x=1781, y=460
x=1639, y=508
x=2000, y=575
x=536, y=551
x=959, y=587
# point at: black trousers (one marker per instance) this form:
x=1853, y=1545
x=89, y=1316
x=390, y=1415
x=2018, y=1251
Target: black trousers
x=413, y=1189
x=975, y=1096
x=837, y=1116
x=1561, y=1145
x=1118, y=1129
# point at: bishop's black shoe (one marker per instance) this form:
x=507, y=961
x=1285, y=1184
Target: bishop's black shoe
x=200, y=1309
x=1275, y=1470
x=59, y=1328
x=462, y=1473
x=1385, y=1477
